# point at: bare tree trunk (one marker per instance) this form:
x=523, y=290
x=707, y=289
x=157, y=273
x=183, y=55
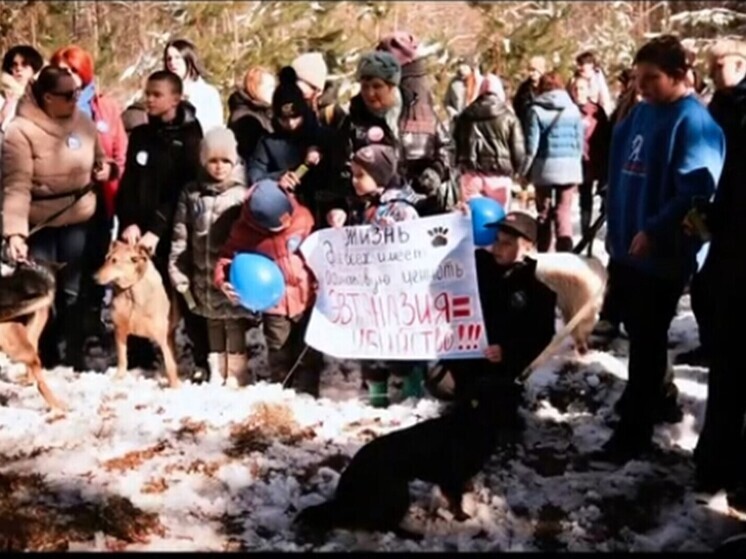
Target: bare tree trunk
x=236, y=45
x=96, y=24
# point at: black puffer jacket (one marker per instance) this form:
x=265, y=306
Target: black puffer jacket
x=249, y=121
x=161, y=159
x=523, y=100
x=489, y=138
x=417, y=152
x=726, y=221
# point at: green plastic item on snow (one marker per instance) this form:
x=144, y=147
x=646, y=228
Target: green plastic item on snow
x=378, y=394
x=414, y=383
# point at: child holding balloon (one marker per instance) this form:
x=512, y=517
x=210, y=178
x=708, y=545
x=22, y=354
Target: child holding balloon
x=274, y=224
x=204, y=215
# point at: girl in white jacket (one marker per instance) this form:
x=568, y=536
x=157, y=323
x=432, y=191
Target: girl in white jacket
x=180, y=57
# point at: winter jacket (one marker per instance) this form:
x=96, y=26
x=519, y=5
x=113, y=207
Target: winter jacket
x=398, y=202
x=522, y=101
x=249, y=120
x=663, y=157
x=418, y=152
x=135, y=115
x=726, y=220
x=455, y=100
x=113, y=138
x=518, y=310
x=162, y=158
x=283, y=151
x=204, y=217
x=489, y=138
x=45, y=163
x=554, y=140
x=282, y=247
x=12, y=91
x=206, y=100
x=596, y=141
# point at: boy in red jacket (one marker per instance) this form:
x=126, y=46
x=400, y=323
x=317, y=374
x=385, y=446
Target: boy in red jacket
x=274, y=224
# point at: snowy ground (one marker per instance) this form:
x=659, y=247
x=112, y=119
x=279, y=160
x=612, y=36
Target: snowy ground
x=137, y=466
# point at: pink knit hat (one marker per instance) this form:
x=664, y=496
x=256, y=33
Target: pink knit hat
x=402, y=44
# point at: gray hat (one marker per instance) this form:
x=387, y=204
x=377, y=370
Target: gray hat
x=379, y=64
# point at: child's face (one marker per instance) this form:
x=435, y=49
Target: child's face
x=219, y=168
x=290, y=123
x=362, y=182
x=160, y=98
x=509, y=249
x=655, y=85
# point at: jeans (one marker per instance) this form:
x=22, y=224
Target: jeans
x=65, y=245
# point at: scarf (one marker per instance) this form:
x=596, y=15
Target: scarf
x=85, y=101
x=418, y=114
x=392, y=114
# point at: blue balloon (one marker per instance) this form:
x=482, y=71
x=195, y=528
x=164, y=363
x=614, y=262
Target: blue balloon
x=485, y=211
x=257, y=280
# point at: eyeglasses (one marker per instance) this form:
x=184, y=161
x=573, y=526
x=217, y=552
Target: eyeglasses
x=66, y=95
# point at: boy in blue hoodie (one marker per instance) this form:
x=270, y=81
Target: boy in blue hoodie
x=665, y=155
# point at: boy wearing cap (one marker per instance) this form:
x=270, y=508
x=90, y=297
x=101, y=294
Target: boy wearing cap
x=273, y=223
x=383, y=201
x=518, y=311
x=204, y=216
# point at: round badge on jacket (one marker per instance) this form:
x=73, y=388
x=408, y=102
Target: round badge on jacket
x=293, y=243
x=102, y=126
x=142, y=158
x=73, y=142
x=375, y=134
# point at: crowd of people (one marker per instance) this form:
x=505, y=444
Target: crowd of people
x=170, y=173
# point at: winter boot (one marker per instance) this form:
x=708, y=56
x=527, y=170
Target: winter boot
x=378, y=393
x=238, y=368
x=413, y=383
x=217, y=365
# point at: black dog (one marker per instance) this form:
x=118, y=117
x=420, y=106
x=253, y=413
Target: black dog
x=373, y=491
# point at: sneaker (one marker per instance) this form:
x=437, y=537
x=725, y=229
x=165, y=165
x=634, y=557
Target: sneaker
x=697, y=357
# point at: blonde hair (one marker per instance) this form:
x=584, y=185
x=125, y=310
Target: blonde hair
x=727, y=47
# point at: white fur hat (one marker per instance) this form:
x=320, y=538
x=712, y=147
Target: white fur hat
x=219, y=142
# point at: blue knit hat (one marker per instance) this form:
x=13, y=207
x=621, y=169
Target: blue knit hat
x=270, y=205
x=379, y=64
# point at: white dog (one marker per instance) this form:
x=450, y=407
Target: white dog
x=576, y=280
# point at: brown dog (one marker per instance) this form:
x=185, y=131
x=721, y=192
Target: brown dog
x=27, y=294
x=140, y=305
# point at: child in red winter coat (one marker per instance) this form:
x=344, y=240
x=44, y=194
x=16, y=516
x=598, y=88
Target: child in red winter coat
x=274, y=224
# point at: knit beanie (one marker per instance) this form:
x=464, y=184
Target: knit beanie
x=403, y=45
x=219, y=142
x=287, y=100
x=311, y=68
x=379, y=161
x=381, y=65
x=269, y=205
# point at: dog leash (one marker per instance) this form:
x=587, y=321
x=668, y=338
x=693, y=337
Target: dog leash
x=295, y=366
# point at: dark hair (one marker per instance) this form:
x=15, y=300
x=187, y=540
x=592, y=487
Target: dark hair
x=189, y=52
x=626, y=76
x=177, y=86
x=29, y=54
x=550, y=81
x=586, y=57
x=667, y=53
x=47, y=82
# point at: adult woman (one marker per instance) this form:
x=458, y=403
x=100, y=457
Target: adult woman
x=51, y=158
x=180, y=57
x=250, y=109
x=554, y=142
x=20, y=64
x=105, y=113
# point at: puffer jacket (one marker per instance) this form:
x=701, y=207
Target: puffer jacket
x=417, y=152
x=162, y=158
x=282, y=247
x=113, y=138
x=45, y=163
x=204, y=217
x=554, y=140
x=489, y=138
x=396, y=203
x=249, y=120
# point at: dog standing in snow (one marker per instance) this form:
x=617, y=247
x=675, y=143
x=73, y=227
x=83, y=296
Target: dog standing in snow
x=576, y=280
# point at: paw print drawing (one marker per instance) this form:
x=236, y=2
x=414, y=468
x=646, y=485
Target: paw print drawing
x=439, y=238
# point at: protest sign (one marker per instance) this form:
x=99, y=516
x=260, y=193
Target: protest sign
x=407, y=291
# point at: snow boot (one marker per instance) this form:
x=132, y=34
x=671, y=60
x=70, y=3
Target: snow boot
x=238, y=368
x=217, y=363
x=378, y=394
